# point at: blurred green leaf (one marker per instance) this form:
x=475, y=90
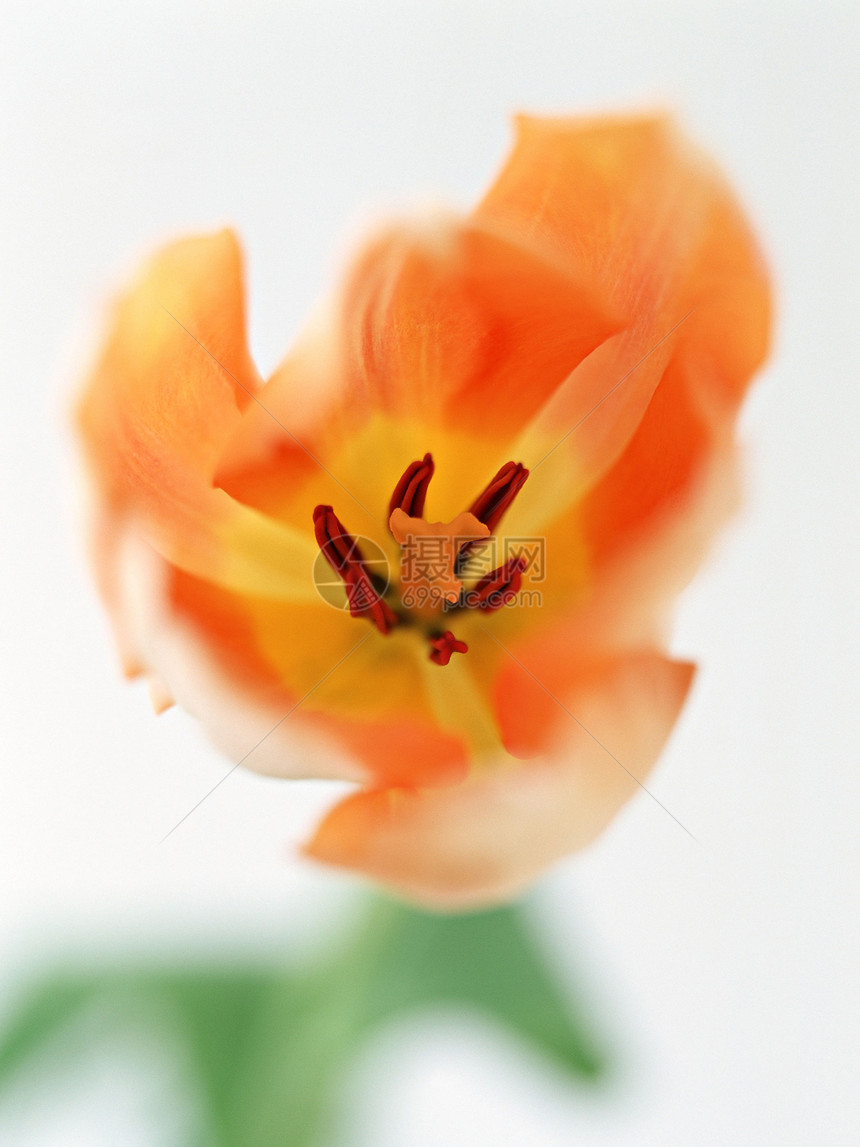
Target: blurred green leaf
x=269, y=1046
x=489, y=961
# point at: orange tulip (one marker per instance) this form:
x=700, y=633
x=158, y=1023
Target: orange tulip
x=556, y=376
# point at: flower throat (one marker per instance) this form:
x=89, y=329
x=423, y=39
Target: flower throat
x=434, y=558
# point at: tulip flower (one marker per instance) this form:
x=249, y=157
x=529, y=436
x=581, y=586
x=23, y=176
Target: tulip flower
x=435, y=553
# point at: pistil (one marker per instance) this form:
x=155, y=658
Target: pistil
x=430, y=551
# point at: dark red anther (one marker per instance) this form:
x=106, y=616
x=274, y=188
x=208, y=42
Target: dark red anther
x=499, y=587
x=411, y=491
x=343, y=554
x=444, y=646
x=339, y=548
x=489, y=506
x=364, y=601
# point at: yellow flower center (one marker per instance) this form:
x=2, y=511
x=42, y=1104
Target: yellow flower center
x=433, y=558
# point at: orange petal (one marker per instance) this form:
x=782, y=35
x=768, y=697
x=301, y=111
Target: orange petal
x=166, y=392
x=402, y=748
x=486, y=839
x=277, y=443
x=655, y=538
x=601, y=193
x=461, y=321
x=662, y=236
x=658, y=472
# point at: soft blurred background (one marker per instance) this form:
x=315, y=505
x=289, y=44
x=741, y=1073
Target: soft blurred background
x=723, y=974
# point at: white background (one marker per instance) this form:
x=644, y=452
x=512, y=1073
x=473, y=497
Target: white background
x=726, y=971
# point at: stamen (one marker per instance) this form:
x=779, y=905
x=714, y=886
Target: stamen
x=364, y=601
x=339, y=548
x=411, y=491
x=434, y=555
x=343, y=554
x=499, y=587
x=444, y=645
x=490, y=506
